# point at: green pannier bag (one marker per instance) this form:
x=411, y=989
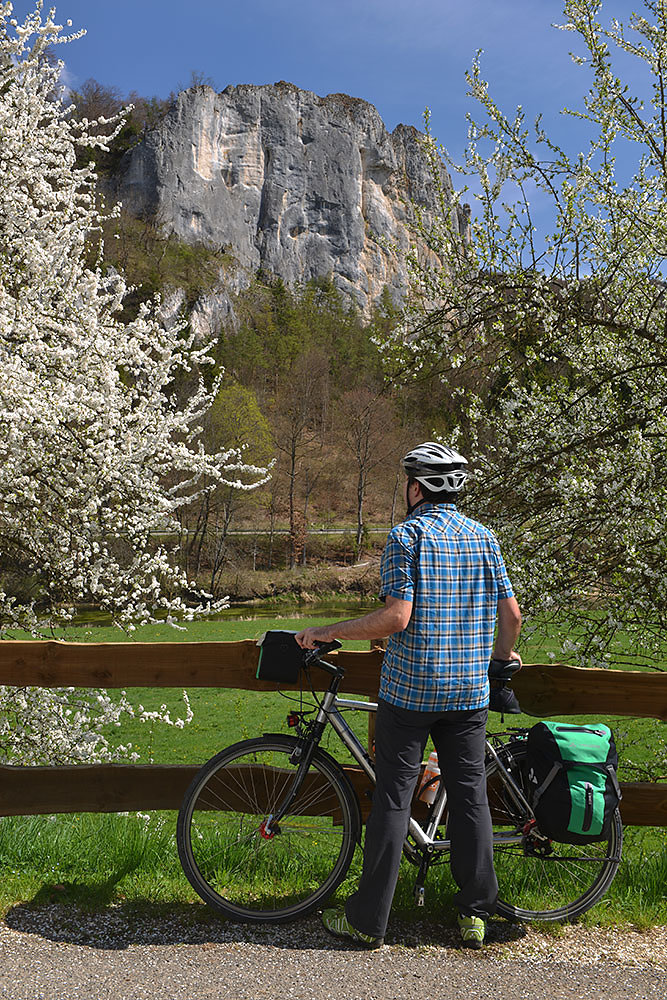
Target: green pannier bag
x=571, y=773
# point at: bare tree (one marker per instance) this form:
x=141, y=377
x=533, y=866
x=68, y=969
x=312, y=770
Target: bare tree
x=234, y=413
x=96, y=100
x=368, y=418
x=296, y=416
x=198, y=78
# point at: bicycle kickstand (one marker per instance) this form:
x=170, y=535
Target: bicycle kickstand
x=420, y=891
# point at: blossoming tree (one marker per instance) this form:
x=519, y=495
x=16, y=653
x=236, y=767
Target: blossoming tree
x=553, y=346
x=96, y=453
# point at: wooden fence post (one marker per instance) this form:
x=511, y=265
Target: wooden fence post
x=377, y=645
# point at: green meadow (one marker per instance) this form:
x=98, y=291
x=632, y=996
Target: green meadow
x=97, y=860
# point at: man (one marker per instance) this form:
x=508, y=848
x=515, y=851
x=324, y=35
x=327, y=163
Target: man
x=444, y=584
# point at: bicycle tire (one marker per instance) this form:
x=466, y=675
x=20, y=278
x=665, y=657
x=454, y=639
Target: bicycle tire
x=233, y=865
x=559, y=886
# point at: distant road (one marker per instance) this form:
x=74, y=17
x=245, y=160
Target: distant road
x=285, y=531
x=309, y=531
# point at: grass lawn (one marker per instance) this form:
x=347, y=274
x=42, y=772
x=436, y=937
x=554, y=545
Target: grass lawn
x=96, y=860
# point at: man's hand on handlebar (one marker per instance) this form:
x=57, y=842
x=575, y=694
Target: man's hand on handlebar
x=309, y=638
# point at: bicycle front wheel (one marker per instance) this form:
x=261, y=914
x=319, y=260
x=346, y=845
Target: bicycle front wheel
x=239, y=863
x=559, y=884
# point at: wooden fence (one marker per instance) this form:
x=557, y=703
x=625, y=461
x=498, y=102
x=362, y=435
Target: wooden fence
x=543, y=690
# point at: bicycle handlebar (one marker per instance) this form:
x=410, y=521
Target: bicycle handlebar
x=322, y=648
x=499, y=670
x=503, y=670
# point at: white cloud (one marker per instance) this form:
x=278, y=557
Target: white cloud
x=68, y=80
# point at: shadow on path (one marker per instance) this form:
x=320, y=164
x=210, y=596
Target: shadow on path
x=58, y=913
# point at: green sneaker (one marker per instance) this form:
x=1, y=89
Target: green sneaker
x=472, y=930
x=337, y=923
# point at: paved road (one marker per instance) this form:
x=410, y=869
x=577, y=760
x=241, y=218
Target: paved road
x=56, y=953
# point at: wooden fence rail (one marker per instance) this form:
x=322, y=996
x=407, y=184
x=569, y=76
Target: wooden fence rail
x=543, y=690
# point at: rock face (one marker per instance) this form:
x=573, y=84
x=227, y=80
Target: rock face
x=292, y=183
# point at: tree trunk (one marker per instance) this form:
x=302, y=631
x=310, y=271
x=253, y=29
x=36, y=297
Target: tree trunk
x=292, y=510
x=195, y=545
x=361, y=490
x=393, y=499
x=272, y=525
x=220, y=548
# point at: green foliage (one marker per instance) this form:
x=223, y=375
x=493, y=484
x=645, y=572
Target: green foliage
x=235, y=420
x=280, y=325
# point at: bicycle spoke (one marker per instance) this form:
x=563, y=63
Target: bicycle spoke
x=253, y=871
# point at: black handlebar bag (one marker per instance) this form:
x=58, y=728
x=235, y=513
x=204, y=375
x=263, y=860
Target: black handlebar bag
x=572, y=779
x=280, y=657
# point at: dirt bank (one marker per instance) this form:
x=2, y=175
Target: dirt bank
x=304, y=584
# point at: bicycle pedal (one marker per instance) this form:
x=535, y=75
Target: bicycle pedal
x=420, y=895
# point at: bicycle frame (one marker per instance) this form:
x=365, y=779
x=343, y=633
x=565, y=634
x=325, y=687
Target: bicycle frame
x=564, y=880
x=426, y=839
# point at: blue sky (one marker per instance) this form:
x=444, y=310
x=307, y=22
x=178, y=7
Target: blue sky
x=400, y=55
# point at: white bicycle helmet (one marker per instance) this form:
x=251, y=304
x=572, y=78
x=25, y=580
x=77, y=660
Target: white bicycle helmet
x=436, y=467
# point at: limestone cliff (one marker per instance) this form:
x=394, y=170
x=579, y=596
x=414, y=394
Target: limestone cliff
x=298, y=185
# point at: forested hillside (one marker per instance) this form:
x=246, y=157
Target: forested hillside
x=303, y=388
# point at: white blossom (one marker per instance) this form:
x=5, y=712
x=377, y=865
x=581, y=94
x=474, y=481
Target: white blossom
x=553, y=348
x=96, y=453
x=58, y=726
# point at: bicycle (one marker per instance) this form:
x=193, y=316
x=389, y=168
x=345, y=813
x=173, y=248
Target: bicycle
x=269, y=826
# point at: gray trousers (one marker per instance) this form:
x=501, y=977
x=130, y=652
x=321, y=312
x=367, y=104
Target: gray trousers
x=400, y=739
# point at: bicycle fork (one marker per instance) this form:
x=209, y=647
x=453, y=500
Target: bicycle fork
x=302, y=755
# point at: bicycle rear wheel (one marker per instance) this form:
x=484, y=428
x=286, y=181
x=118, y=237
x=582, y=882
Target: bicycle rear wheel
x=236, y=861
x=560, y=885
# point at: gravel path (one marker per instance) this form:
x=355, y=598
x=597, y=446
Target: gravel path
x=58, y=953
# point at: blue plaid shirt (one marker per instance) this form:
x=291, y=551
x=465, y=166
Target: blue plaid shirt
x=451, y=568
